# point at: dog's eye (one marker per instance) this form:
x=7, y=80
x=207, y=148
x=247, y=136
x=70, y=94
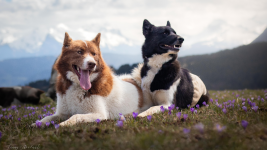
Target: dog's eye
x=166, y=33
x=80, y=52
x=93, y=54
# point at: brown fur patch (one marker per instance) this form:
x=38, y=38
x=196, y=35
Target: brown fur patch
x=73, y=53
x=140, y=93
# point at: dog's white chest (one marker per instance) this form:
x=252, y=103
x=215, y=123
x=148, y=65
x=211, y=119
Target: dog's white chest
x=76, y=102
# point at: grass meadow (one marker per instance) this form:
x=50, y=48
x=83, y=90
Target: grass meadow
x=234, y=119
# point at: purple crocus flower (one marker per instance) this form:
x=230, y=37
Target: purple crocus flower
x=244, y=108
x=44, y=110
x=170, y=110
x=162, y=109
x=0, y=135
x=224, y=111
x=255, y=108
x=47, y=124
x=19, y=119
x=211, y=100
x=172, y=106
x=135, y=114
x=1, y=116
x=40, y=117
x=149, y=117
x=188, y=105
x=244, y=124
x=177, y=108
x=4, y=109
x=204, y=103
x=56, y=126
x=262, y=99
x=119, y=123
x=178, y=114
x=52, y=122
x=186, y=131
x=121, y=118
x=220, y=128
x=195, y=111
x=160, y=131
x=38, y=123
x=192, y=110
x=216, y=100
x=199, y=127
x=197, y=106
x=48, y=106
x=13, y=107
x=185, y=116
x=243, y=103
x=97, y=121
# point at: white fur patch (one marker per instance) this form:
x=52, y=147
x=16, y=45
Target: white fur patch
x=85, y=42
x=86, y=60
x=199, y=89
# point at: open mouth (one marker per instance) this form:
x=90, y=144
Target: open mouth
x=171, y=47
x=84, y=77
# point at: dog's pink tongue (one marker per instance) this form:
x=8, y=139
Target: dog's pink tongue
x=85, y=80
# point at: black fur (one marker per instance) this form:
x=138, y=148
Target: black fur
x=24, y=95
x=166, y=76
x=203, y=98
x=156, y=36
x=171, y=70
x=185, y=90
x=144, y=69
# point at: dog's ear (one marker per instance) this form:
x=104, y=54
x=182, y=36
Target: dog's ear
x=168, y=24
x=96, y=40
x=147, y=27
x=67, y=40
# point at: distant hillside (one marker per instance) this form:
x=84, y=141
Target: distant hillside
x=239, y=68
x=23, y=70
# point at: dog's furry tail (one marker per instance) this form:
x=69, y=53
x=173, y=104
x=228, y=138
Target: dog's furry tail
x=136, y=74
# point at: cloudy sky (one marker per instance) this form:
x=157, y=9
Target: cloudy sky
x=206, y=25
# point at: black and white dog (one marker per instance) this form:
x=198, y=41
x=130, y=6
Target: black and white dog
x=161, y=78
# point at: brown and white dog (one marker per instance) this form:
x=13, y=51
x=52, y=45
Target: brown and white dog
x=86, y=87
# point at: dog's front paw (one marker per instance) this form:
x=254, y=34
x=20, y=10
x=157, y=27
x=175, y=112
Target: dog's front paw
x=34, y=125
x=143, y=114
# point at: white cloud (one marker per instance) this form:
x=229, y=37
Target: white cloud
x=226, y=23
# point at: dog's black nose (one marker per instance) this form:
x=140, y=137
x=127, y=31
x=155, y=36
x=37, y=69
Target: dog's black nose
x=91, y=65
x=181, y=40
